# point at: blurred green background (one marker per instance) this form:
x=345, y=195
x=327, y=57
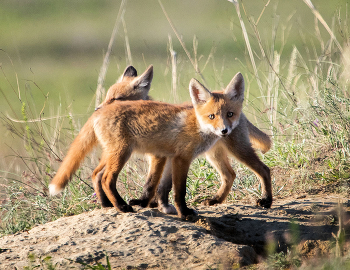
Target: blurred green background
x=52, y=51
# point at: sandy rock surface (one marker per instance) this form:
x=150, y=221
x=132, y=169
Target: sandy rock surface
x=220, y=235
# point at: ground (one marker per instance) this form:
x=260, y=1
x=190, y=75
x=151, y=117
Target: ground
x=220, y=236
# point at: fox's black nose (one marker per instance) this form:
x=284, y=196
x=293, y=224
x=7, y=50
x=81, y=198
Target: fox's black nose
x=224, y=131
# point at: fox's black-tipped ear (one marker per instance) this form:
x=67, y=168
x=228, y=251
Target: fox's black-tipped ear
x=145, y=79
x=199, y=94
x=235, y=89
x=130, y=71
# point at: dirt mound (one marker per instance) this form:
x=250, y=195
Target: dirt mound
x=220, y=235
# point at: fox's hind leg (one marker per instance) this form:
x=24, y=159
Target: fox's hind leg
x=156, y=166
x=115, y=162
x=96, y=181
x=99, y=167
x=217, y=156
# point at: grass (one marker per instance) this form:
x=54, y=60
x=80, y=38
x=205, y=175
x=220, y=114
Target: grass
x=303, y=102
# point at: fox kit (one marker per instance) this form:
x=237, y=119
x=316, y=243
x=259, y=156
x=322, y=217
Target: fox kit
x=239, y=143
x=160, y=130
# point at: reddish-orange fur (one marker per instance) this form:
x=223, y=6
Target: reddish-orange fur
x=80, y=147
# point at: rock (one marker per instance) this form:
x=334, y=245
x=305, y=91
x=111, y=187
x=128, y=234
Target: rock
x=222, y=236
x=313, y=248
x=146, y=239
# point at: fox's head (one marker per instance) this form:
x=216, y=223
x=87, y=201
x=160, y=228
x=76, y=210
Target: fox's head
x=130, y=86
x=218, y=113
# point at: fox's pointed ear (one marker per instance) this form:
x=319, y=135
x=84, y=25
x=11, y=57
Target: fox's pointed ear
x=130, y=71
x=199, y=94
x=145, y=79
x=235, y=89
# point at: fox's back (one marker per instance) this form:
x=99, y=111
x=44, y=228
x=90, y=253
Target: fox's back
x=138, y=117
x=148, y=126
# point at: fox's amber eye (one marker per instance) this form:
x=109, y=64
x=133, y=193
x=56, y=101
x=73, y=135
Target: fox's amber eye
x=229, y=114
x=211, y=116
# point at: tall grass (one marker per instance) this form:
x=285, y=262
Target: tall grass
x=27, y=202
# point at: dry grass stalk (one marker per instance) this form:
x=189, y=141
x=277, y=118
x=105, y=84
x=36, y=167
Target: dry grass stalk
x=325, y=25
x=104, y=67
x=196, y=68
x=245, y=35
x=173, y=71
x=127, y=44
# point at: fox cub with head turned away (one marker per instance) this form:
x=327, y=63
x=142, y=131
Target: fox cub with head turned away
x=161, y=130
x=239, y=144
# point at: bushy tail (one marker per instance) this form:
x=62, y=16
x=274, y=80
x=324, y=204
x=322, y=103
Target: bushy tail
x=259, y=139
x=80, y=147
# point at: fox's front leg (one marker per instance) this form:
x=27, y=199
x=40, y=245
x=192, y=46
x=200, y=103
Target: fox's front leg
x=162, y=196
x=180, y=170
x=217, y=156
x=242, y=150
x=156, y=166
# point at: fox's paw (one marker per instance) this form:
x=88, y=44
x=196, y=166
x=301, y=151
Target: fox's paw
x=106, y=204
x=153, y=204
x=125, y=208
x=141, y=202
x=210, y=202
x=167, y=209
x=264, y=202
x=188, y=212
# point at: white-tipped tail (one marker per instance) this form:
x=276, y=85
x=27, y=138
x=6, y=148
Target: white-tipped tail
x=54, y=190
